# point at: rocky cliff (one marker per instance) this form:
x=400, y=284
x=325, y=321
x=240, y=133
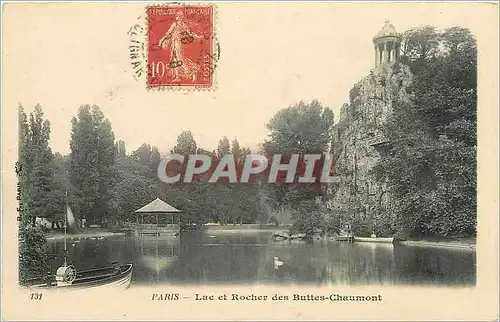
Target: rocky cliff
x=357, y=142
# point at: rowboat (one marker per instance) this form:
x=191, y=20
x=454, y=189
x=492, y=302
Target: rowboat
x=346, y=238
x=67, y=278
x=388, y=240
x=286, y=236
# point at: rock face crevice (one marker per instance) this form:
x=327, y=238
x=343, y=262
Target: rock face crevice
x=358, y=140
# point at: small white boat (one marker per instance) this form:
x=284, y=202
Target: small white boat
x=387, y=240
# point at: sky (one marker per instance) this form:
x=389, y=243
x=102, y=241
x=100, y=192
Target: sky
x=272, y=56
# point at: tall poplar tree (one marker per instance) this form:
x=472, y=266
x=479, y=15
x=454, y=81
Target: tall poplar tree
x=92, y=162
x=36, y=180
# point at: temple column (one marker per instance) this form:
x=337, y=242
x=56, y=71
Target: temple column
x=384, y=56
x=376, y=56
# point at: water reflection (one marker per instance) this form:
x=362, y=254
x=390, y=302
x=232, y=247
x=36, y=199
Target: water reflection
x=248, y=257
x=154, y=256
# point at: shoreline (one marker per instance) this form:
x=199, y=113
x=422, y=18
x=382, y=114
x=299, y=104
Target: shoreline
x=56, y=236
x=465, y=243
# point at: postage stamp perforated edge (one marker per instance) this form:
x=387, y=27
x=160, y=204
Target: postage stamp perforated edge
x=215, y=49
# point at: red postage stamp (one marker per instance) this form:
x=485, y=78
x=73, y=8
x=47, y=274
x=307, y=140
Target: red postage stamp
x=180, y=46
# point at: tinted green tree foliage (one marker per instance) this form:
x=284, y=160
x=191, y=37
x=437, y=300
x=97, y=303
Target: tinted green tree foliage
x=299, y=129
x=134, y=182
x=33, y=257
x=37, y=197
x=92, y=162
x=431, y=164
x=204, y=202
x=185, y=144
x=35, y=157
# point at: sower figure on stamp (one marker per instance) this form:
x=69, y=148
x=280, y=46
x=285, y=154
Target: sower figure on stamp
x=174, y=39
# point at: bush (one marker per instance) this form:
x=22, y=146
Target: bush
x=33, y=259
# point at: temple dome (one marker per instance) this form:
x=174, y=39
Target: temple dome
x=387, y=31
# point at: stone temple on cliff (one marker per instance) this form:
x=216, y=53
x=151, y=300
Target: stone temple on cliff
x=359, y=139
x=387, y=44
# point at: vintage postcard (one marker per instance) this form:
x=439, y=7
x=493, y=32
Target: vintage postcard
x=250, y=161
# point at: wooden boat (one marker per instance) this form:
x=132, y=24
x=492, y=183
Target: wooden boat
x=388, y=240
x=346, y=234
x=115, y=276
x=298, y=237
x=345, y=238
x=68, y=278
x=285, y=236
x=277, y=237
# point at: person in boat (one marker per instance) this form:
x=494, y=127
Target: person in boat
x=346, y=230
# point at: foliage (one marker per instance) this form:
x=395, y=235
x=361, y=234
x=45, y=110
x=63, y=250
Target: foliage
x=121, y=150
x=299, y=129
x=223, y=148
x=420, y=43
x=130, y=194
x=354, y=93
x=185, y=144
x=33, y=259
x=302, y=128
x=92, y=162
x=308, y=220
x=35, y=158
x=37, y=183
x=431, y=164
x=148, y=157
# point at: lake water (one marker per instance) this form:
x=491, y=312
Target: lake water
x=217, y=257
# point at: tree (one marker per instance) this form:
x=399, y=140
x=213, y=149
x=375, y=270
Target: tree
x=185, y=144
x=130, y=194
x=155, y=160
x=223, y=147
x=148, y=157
x=36, y=180
x=430, y=166
x=299, y=129
x=302, y=128
x=143, y=154
x=120, y=149
x=235, y=150
x=206, y=152
x=35, y=157
x=33, y=258
x=420, y=44
x=60, y=185
x=92, y=162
